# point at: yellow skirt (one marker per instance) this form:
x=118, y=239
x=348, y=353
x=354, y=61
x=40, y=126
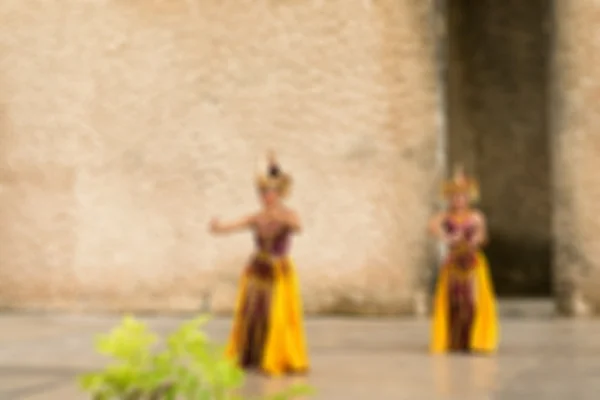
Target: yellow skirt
x=282, y=345
x=484, y=328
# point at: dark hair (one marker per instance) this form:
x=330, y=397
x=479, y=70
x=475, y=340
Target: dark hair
x=274, y=171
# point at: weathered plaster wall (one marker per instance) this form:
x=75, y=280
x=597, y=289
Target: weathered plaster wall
x=576, y=119
x=126, y=125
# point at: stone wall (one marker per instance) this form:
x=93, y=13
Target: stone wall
x=576, y=145
x=126, y=125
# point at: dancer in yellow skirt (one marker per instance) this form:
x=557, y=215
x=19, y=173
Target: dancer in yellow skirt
x=465, y=317
x=268, y=329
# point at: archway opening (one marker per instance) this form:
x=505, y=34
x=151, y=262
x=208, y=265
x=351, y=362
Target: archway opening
x=497, y=95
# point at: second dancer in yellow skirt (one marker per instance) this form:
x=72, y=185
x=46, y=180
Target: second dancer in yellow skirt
x=465, y=312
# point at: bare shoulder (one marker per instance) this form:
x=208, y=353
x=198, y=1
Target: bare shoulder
x=290, y=211
x=253, y=218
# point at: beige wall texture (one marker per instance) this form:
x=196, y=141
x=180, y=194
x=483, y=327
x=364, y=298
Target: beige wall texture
x=576, y=122
x=126, y=125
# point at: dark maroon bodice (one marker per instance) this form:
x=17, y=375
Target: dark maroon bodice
x=462, y=256
x=268, y=248
x=467, y=228
x=278, y=245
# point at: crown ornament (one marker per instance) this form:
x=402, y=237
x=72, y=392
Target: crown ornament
x=460, y=183
x=270, y=176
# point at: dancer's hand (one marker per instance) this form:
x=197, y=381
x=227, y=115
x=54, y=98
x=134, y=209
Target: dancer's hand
x=452, y=239
x=475, y=242
x=218, y=227
x=215, y=226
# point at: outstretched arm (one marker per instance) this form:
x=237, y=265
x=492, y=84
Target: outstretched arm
x=218, y=227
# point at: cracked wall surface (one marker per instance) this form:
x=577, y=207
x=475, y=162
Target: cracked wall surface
x=126, y=125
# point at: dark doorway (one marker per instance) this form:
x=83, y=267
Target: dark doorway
x=497, y=55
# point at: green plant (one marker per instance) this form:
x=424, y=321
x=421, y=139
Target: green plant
x=186, y=366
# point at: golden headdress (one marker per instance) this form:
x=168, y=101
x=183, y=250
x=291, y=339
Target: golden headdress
x=272, y=176
x=461, y=184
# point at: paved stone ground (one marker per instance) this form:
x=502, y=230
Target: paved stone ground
x=353, y=359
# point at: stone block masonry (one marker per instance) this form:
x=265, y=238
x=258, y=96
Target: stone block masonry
x=126, y=125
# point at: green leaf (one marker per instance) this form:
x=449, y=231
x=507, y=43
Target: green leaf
x=170, y=394
x=299, y=390
x=103, y=396
x=199, y=321
x=131, y=341
x=202, y=394
x=232, y=376
x=91, y=382
x=191, y=367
